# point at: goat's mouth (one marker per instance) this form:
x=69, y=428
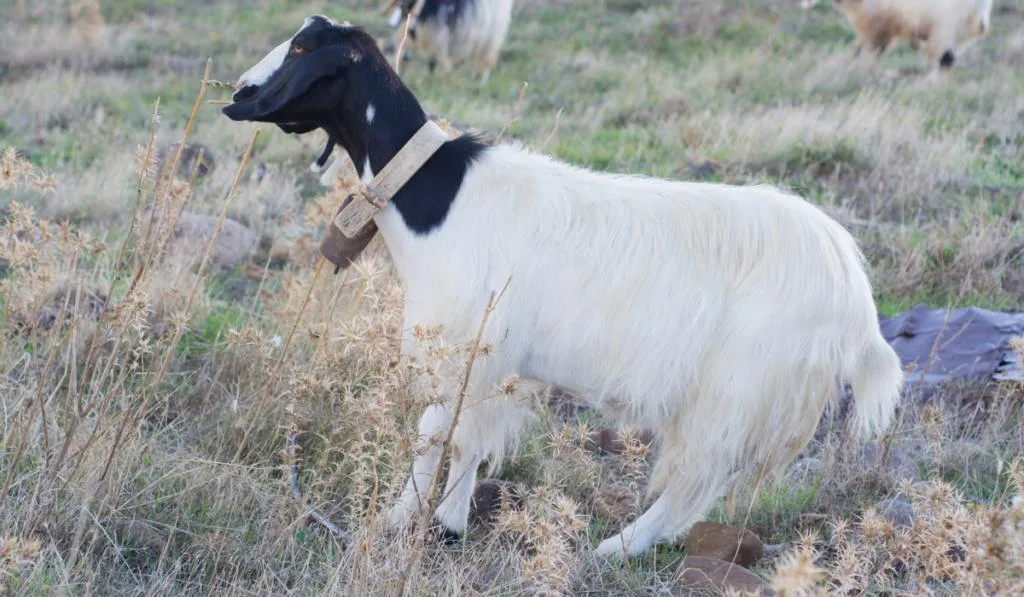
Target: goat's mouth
x=246, y=107
x=244, y=104
x=241, y=110
x=244, y=93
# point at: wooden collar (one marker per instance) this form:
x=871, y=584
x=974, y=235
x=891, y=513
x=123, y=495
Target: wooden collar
x=353, y=227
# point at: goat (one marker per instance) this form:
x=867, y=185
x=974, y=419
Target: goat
x=939, y=28
x=722, y=318
x=452, y=32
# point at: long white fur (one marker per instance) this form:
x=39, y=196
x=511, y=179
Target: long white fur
x=719, y=317
x=949, y=25
x=477, y=37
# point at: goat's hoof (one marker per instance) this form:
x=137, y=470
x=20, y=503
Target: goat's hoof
x=614, y=549
x=445, y=535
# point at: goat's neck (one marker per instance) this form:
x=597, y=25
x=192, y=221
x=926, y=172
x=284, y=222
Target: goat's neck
x=373, y=129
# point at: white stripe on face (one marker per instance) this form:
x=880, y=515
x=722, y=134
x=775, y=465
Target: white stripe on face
x=265, y=68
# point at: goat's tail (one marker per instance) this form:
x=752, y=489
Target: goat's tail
x=877, y=378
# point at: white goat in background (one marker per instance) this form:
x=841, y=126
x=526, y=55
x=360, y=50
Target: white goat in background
x=722, y=318
x=450, y=33
x=938, y=28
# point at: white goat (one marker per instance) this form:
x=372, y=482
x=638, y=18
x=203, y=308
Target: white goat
x=940, y=28
x=453, y=32
x=722, y=318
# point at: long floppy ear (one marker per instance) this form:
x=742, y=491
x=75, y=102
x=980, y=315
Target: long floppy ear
x=291, y=81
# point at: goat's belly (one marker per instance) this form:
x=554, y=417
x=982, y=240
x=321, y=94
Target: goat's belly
x=637, y=373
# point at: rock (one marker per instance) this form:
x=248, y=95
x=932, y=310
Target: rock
x=805, y=471
x=610, y=441
x=195, y=156
x=698, y=573
x=66, y=300
x=615, y=504
x=234, y=244
x=564, y=404
x=702, y=170
x=811, y=522
x=899, y=512
x=141, y=535
x=897, y=462
x=490, y=498
x=714, y=540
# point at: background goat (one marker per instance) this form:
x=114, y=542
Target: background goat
x=454, y=32
x=939, y=28
x=719, y=317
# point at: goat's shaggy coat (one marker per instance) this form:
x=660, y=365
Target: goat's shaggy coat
x=722, y=318
x=450, y=33
x=938, y=28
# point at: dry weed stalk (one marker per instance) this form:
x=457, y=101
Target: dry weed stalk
x=516, y=111
x=401, y=43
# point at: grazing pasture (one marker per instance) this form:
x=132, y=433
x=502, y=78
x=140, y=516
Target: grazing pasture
x=185, y=416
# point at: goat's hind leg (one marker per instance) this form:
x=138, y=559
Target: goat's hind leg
x=686, y=498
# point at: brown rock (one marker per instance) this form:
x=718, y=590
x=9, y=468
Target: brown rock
x=142, y=535
x=714, y=540
x=564, y=404
x=196, y=157
x=610, y=441
x=697, y=573
x=233, y=244
x=899, y=512
x=72, y=300
x=615, y=504
x=491, y=497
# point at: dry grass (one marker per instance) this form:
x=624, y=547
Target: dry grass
x=152, y=405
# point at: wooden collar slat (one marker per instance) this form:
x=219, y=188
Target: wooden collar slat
x=386, y=184
x=353, y=227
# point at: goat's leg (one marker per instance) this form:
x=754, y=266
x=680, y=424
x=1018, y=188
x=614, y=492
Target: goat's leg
x=453, y=511
x=688, y=495
x=433, y=425
x=641, y=534
x=486, y=63
x=486, y=427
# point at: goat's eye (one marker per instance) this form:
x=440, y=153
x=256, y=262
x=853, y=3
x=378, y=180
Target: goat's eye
x=298, y=50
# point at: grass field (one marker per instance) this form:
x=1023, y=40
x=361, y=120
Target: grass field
x=145, y=446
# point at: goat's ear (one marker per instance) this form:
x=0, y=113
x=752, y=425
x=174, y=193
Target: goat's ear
x=280, y=98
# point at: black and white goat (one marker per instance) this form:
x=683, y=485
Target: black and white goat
x=452, y=32
x=722, y=318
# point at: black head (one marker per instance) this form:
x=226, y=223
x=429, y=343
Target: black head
x=300, y=83
x=334, y=77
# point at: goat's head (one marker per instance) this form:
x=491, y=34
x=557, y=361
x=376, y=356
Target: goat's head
x=300, y=79
x=303, y=80
x=332, y=76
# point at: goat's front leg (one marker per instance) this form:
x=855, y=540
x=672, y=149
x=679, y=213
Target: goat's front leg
x=453, y=511
x=433, y=428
